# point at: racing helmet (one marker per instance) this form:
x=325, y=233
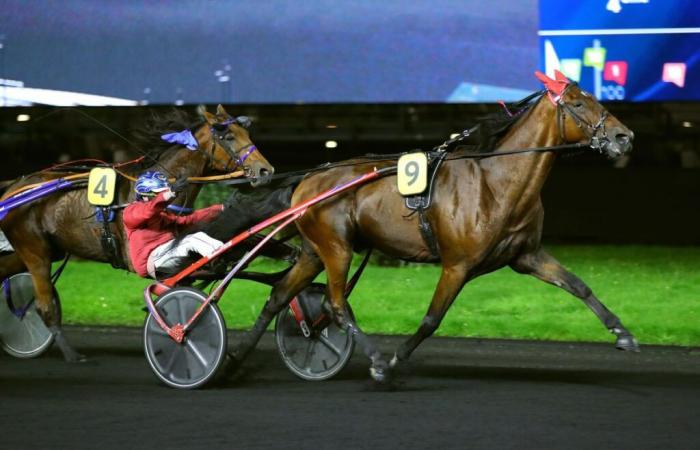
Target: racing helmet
x=149, y=183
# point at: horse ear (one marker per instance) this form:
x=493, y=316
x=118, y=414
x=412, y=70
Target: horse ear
x=220, y=111
x=209, y=117
x=244, y=121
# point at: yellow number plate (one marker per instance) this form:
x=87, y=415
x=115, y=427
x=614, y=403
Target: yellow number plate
x=101, y=186
x=412, y=173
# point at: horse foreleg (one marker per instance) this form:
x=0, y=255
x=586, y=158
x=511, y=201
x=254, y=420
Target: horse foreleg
x=38, y=262
x=10, y=264
x=451, y=282
x=300, y=276
x=542, y=265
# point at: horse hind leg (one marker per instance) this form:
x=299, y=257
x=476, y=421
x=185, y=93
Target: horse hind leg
x=301, y=275
x=542, y=265
x=37, y=259
x=337, y=258
x=451, y=282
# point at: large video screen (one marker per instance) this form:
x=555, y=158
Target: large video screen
x=634, y=50
x=327, y=51
x=272, y=51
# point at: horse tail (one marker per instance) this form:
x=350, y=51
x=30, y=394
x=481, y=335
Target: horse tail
x=245, y=208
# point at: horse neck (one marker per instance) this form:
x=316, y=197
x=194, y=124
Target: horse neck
x=179, y=161
x=522, y=176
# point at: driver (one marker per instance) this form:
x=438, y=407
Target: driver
x=151, y=230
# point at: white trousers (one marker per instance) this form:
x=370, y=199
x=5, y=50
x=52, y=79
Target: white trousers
x=168, y=257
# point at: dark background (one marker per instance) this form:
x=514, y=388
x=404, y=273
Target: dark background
x=651, y=198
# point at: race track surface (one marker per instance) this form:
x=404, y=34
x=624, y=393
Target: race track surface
x=456, y=393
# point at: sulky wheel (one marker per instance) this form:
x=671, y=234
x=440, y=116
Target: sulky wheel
x=195, y=361
x=22, y=331
x=327, y=349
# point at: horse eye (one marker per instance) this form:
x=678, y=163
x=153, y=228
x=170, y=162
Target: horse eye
x=578, y=104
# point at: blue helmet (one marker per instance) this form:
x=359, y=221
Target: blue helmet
x=151, y=182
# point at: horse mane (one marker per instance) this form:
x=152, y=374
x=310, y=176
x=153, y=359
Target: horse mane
x=149, y=135
x=493, y=127
x=5, y=184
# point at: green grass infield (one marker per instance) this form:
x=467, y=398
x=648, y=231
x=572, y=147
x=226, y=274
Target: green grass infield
x=654, y=290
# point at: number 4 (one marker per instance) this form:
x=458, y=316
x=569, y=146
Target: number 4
x=101, y=188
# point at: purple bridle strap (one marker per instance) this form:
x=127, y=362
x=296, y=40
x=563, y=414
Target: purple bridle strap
x=241, y=159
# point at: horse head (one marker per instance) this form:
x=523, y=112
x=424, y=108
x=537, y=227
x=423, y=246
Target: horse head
x=233, y=147
x=582, y=119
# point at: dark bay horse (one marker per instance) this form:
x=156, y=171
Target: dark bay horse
x=44, y=230
x=486, y=214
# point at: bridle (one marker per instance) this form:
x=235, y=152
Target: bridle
x=596, y=134
x=231, y=151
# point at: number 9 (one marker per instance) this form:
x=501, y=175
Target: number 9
x=412, y=171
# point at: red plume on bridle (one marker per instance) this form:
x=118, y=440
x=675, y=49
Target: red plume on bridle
x=554, y=86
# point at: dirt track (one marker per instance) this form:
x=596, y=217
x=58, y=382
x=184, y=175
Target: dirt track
x=457, y=393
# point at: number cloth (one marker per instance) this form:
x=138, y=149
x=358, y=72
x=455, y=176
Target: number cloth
x=101, y=186
x=148, y=226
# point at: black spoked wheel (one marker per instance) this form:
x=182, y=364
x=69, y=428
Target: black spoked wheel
x=22, y=331
x=327, y=349
x=195, y=361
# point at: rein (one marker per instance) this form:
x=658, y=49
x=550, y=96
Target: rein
x=590, y=130
x=395, y=156
x=250, y=148
x=145, y=154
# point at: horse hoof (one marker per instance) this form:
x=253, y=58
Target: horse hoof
x=233, y=361
x=627, y=343
x=379, y=372
x=77, y=358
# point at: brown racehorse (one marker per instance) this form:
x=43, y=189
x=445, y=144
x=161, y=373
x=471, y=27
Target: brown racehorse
x=44, y=230
x=486, y=214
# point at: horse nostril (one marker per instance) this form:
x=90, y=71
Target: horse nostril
x=264, y=173
x=622, y=139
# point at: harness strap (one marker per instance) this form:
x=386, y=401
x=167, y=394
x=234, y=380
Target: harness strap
x=427, y=233
x=57, y=274
x=109, y=242
x=421, y=203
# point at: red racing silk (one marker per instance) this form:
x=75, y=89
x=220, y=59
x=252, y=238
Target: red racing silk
x=148, y=225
